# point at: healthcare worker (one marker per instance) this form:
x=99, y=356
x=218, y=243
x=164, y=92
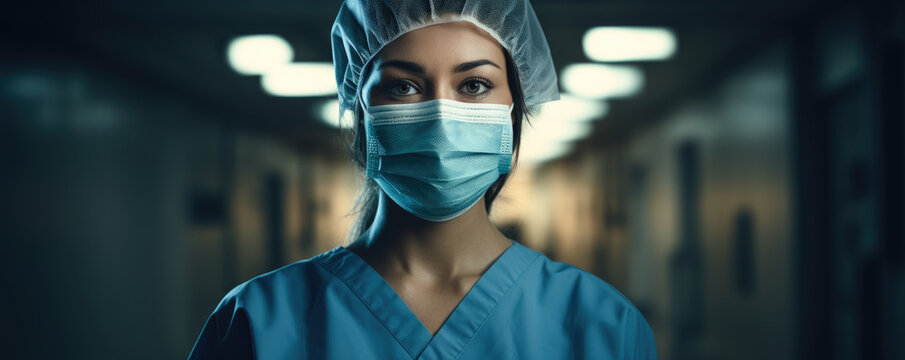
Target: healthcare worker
x=439, y=90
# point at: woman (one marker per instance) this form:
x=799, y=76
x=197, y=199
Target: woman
x=439, y=92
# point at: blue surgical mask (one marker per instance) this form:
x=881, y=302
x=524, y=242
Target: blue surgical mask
x=437, y=158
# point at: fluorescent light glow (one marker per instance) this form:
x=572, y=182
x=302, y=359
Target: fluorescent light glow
x=300, y=79
x=329, y=114
x=531, y=152
x=628, y=43
x=556, y=131
x=258, y=54
x=573, y=108
x=557, y=124
x=599, y=81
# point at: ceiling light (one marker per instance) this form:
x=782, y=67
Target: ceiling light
x=629, y=43
x=258, y=54
x=573, y=108
x=550, y=133
x=532, y=151
x=599, y=81
x=300, y=79
x=329, y=114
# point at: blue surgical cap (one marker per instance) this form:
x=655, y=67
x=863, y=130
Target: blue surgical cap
x=364, y=27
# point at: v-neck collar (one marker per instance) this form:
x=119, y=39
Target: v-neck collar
x=461, y=325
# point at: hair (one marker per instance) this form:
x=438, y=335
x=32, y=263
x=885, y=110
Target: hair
x=366, y=204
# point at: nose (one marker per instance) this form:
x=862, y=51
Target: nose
x=444, y=93
x=440, y=89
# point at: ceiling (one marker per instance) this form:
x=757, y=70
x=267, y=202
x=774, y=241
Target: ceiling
x=178, y=47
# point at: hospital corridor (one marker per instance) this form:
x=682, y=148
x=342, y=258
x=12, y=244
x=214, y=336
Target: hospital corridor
x=735, y=169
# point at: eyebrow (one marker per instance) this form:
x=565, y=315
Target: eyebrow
x=404, y=65
x=415, y=68
x=473, y=64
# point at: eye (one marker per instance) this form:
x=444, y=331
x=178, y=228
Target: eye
x=476, y=87
x=401, y=88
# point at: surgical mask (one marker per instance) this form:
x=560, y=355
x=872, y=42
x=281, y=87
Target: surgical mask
x=437, y=158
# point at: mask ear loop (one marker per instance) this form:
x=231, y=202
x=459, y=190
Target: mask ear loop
x=360, y=101
x=504, y=166
x=363, y=77
x=372, y=147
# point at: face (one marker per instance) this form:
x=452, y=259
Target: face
x=455, y=61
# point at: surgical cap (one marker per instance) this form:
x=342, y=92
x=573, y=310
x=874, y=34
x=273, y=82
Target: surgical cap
x=364, y=27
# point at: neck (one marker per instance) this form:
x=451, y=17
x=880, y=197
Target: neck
x=399, y=242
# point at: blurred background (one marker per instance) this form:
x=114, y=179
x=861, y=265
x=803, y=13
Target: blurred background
x=734, y=167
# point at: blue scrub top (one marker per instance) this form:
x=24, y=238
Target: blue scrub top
x=335, y=306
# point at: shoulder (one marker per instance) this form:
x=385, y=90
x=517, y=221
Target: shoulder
x=597, y=310
x=589, y=291
x=252, y=312
x=592, y=301
x=292, y=282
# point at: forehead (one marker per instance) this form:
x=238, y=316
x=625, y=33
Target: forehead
x=443, y=45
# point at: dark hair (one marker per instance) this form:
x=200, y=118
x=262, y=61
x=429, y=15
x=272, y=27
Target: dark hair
x=366, y=204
